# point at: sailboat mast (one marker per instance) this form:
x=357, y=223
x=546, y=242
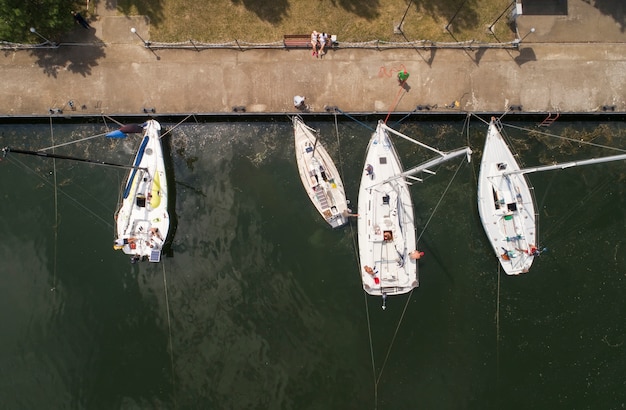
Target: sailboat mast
x=6, y=150
x=446, y=156
x=401, y=135
x=570, y=164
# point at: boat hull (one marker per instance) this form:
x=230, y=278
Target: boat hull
x=386, y=229
x=506, y=206
x=319, y=176
x=142, y=221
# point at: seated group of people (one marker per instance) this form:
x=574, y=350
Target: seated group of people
x=319, y=41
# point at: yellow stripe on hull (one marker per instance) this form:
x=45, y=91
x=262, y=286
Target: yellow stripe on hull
x=155, y=200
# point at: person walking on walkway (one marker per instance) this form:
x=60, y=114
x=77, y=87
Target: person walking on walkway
x=403, y=76
x=81, y=20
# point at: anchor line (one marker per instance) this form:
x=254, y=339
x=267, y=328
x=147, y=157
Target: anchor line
x=369, y=333
x=393, y=339
x=498, y=328
x=169, y=331
x=74, y=200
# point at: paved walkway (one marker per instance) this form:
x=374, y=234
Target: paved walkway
x=573, y=63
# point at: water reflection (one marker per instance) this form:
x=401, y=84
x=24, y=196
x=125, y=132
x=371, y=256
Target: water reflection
x=265, y=302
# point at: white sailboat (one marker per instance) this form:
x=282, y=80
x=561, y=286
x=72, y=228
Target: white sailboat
x=505, y=204
x=386, y=229
x=142, y=220
x=319, y=176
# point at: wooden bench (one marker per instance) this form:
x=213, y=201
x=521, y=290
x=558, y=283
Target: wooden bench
x=297, y=40
x=304, y=41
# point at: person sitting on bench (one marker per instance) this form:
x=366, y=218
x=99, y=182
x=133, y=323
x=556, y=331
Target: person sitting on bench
x=315, y=42
x=323, y=40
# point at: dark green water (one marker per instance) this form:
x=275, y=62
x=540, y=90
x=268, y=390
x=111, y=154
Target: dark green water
x=266, y=309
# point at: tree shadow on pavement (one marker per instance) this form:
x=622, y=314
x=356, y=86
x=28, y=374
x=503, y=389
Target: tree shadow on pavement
x=615, y=9
x=271, y=11
x=460, y=14
x=78, y=58
x=365, y=9
x=151, y=8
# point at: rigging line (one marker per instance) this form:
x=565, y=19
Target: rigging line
x=175, y=126
x=169, y=331
x=440, y=200
x=45, y=181
x=72, y=142
x=56, y=213
x=395, y=333
x=565, y=138
x=355, y=120
x=394, y=104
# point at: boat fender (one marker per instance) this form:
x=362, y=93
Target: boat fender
x=415, y=255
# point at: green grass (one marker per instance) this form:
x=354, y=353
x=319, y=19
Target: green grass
x=350, y=20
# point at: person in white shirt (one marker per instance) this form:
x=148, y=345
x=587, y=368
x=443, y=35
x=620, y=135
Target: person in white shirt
x=314, y=42
x=323, y=39
x=298, y=102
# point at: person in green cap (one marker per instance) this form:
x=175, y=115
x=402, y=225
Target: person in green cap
x=403, y=76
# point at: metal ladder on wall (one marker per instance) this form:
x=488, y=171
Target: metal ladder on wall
x=549, y=120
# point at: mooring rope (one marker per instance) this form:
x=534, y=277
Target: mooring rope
x=398, y=122
x=176, y=126
x=357, y=121
x=112, y=119
x=395, y=103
